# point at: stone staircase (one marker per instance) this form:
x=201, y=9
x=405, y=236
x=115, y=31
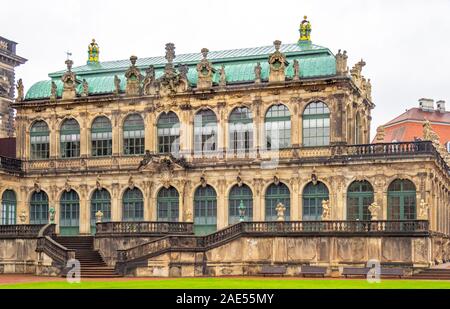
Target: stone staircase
x=91, y=262
x=435, y=273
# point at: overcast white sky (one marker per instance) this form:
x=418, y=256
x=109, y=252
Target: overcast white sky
x=406, y=44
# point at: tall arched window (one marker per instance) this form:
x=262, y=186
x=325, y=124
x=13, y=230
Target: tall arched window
x=278, y=127
x=133, y=135
x=359, y=198
x=316, y=125
x=101, y=137
x=40, y=140
x=39, y=208
x=276, y=194
x=205, y=131
x=401, y=200
x=70, y=139
x=168, y=133
x=69, y=221
x=168, y=205
x=237, y=195
x=133, y=205
x=241, y=130
x=9, y=206
x=313, y=195
x=100, y=201
x=205, y=210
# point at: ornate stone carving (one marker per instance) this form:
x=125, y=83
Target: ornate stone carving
x=326, y=210
x=205, y=71
x=423, y=210
x=131, y=183
x=171, y=82
x=276, y=180
x=341, y=63
x=20, y=90
x=98, y=216
x=98, y=185
x=150, y=87
x=69, y=82
x=188, y=216
x=296, y=67
x=203, y=181
x=281, y=212
x=67, y=186
x=239, y=179
x=374, y=210
x=356, y=73
x=133, y=76
x=85, y=91
x=258, y=70
x=277, y=64
x=380, y=134
x=37, y=185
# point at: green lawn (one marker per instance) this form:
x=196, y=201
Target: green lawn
x=235, y=283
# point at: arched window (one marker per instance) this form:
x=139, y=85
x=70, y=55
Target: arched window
x=101, y=137
x=401, y=200
x=241, y=130
x=168, y=205
x=205, y=131
x=316, y=125
x=39, y=208
x=133, y=135
x=359, y=198
x=168, y=133
x=100, y=201
x=237, y=195
x=276, y=194
x=70, y=139
x=40, y=140
x=205, y=210
x=69, y=213
x=278, y=127
x=133, y=205
x=313, y=195
x=9, y=206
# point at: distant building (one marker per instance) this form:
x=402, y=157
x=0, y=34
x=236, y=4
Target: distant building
x=8, y=61
x=409, y=125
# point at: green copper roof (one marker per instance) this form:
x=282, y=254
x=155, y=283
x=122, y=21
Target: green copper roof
x=315, y=61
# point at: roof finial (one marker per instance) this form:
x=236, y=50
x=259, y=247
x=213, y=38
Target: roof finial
x=305, y=31
x=93, y=53
x=170, y=52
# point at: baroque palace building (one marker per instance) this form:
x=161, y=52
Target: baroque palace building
x=214, y=138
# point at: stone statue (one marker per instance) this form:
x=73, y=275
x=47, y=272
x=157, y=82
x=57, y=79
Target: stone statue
x=280, y=212
x=380, y=134
x=69, y=82
x=326, y=212
x=85, y=85
x=188, y=215
x=296, y=67
x=369, y=89
x=20, y=92
x=99, y=216
x=258, y=70
x=341, y=62
x=429, y=134
x=205, y=71
x=53, y=91
x=116, y=84
x=223, y=77
x=423, y=210
x=374, y=210
x=51, y=215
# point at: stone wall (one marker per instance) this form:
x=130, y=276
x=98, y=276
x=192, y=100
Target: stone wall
x=246, y=256
x=18, y=256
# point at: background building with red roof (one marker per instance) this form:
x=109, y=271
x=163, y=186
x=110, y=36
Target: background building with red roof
x=409, y=125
